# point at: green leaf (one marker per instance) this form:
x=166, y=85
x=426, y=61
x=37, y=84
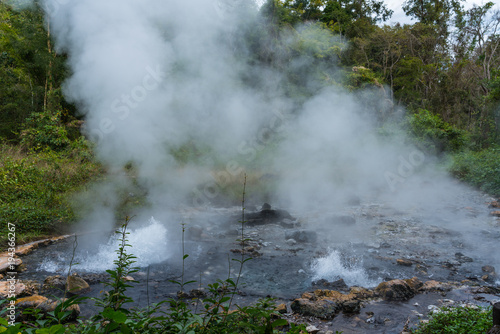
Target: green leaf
x=116, y=316
x=279, y=322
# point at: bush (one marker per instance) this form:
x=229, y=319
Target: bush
x=434, y=135
x=457, y=320
x=480, y=169
x=35, y=188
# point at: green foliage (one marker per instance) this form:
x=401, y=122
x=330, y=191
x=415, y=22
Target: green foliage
x=45, y=131
x=481, y=169
x=35, y=188
x=430, y=132
x=457, y=320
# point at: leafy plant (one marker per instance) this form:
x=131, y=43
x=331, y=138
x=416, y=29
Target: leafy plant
x=457, y=320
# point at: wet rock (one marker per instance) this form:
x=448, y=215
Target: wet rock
x=414, y=283
x=435, y=286
x=336, y=285
x=494, y=204
x=488, y=269
x=361, y=293
x=395, y=290
x=404, y=262
x=197, y=293
x=462, y=258
x=281, y=308
x=54, y=282
x=266, y=216
x=8, y=263
x=312, y=329
x=291, y=242
x=351, y=306
x=45, y=305
x=303, y=236
x=76, y=285
x=495, y=213
x=323, y=308
x=288, y=223
x=6, y=288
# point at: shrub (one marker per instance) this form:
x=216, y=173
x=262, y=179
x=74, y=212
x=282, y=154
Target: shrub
x=481, y=169
x=434, y=135
x=457, y=320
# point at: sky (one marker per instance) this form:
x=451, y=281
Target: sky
x=399, y=15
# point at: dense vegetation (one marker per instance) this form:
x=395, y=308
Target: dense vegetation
x=443, y=70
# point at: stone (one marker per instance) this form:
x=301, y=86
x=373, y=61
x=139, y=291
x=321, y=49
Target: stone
x=266, y=206
x=5, y=264
x=302, y=236
x=323, y=308
x=337, y=285
x=435, y=286
x=197, y=293
x=495, y=213
x=404, y=262
x=351, y=306
x=76, y=285
x=414, y=283
x=281, y=308
x=488, y=269
x=494, y=204
x=291, y=242
x=7, y=289
x=396, y=289
x=312, y=329
x=54, y=282
x=288, y=223
x=265, y=216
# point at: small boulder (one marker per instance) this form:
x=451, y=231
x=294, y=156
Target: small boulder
x=303, y=236
x=54, y=282
x=323, y=308
x=435, y=286
x=488, y=269
x=76, y=285
x=404, y=262
x=281, y=308
x=8, y=263
x=16, y=289
x=351, y=306
x=312, y=329
x=396, y=289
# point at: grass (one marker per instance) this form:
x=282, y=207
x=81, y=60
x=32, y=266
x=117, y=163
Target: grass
x=36, y=189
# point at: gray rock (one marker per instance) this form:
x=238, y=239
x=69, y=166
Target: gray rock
x=303, y=236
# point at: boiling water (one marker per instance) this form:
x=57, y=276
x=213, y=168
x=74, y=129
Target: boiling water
x=148, y=245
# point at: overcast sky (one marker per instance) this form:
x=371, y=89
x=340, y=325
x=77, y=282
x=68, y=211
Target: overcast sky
x=399, y=15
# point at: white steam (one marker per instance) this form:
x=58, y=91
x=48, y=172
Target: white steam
x=153, y=76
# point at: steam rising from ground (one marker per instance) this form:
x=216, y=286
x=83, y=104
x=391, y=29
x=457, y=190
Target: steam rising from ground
x=155, y=77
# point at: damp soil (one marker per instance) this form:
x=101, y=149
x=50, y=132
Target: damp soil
x=451, y=243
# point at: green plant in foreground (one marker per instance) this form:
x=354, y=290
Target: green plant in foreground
x=457, y=320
